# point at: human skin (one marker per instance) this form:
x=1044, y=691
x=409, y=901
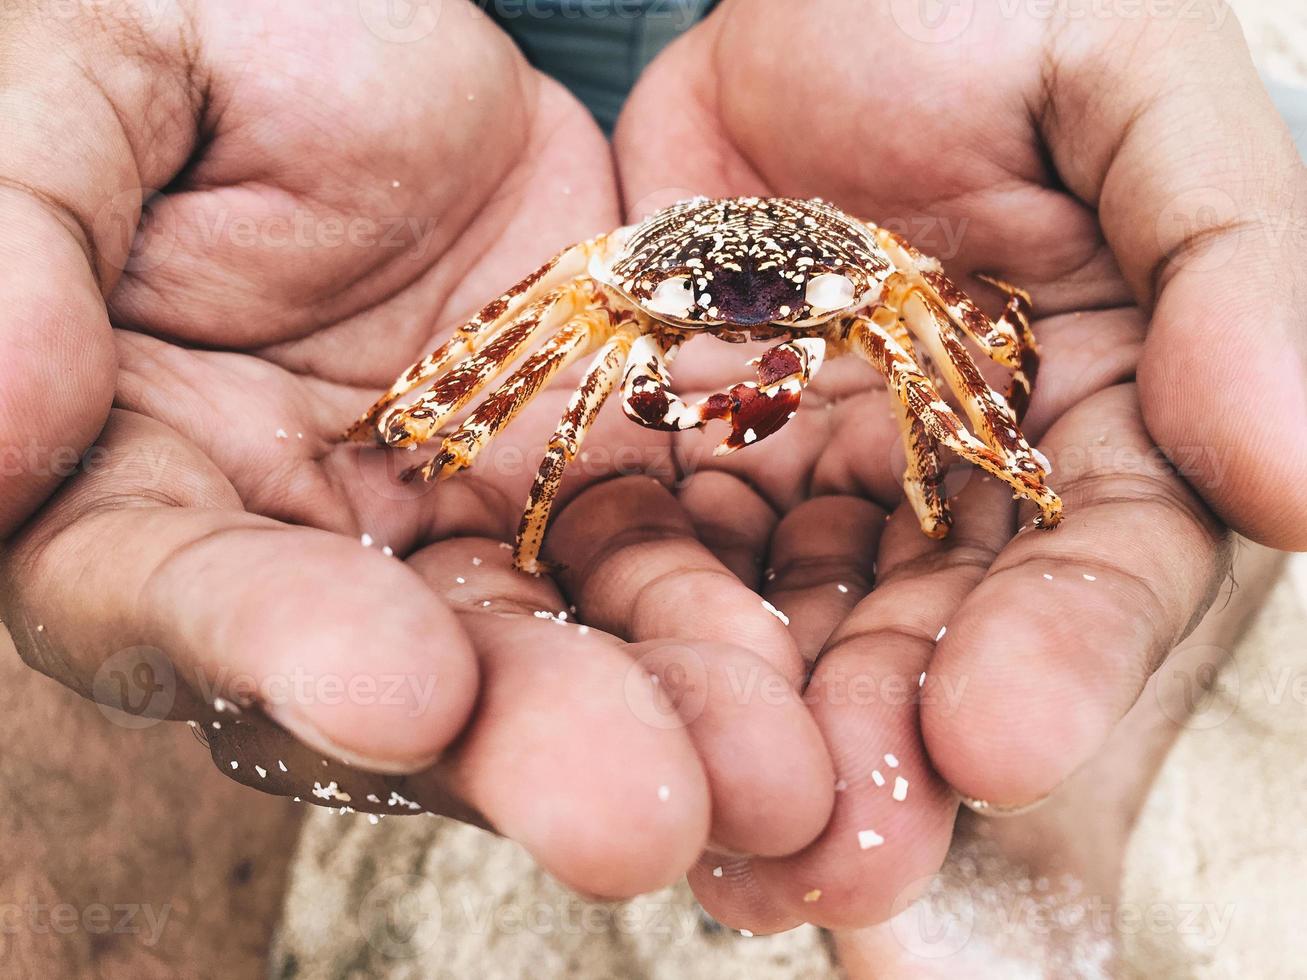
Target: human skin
x=239, y=522
x=1131, y=172
x=337, y=190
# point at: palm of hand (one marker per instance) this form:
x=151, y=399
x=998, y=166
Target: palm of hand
x=1049, y=636
x=214, y=588
x=305, y=256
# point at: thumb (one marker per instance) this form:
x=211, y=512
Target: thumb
x=148, y=556
x=1164, y=124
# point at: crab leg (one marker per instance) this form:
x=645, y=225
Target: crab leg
x=1007, y=340
x=597, y=384
x=478, y=331
x=919, y=396
x=754, y=409
x=460, y=449
x=923, y=476
x=990, y=415
x=413, y=424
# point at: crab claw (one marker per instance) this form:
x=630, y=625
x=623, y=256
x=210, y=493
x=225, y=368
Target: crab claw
x=757, y=409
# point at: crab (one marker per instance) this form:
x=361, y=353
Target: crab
x=800, y=273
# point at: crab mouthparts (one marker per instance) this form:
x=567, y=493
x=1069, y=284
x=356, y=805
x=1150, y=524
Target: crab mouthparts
x=749, y=298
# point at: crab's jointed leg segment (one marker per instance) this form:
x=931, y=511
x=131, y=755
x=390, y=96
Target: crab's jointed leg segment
x=414, y=424
x=597, y=384
x=908, y=384
x=1007, y=340
x=923, y=476
x=460, y=448
x=989, y=413
x=754, y=409
x=478, y=331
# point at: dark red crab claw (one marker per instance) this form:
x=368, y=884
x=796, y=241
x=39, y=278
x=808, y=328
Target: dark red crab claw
x=757, y=409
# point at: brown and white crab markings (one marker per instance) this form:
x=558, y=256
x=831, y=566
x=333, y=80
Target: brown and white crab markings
x=800, y=272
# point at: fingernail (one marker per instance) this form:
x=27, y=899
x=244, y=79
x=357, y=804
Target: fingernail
x=301, y=728
x=987, y=809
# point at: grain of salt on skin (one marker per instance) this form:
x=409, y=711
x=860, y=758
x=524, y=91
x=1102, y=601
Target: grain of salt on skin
x=235, y=764
x=868, y=839
x=1090, y=578
x=664, y=793
x=813, y=895
x=785, y=620
x=717, y=871
x=366, y=540
x=282, y=434
x=1047, y=576
x=842, y=587
x=877, y=778
x=900, y=789
x=282, y=766
x=940, y=635
x=746, y=933
x=388, y=551
x=891, y=760
x=263, y=773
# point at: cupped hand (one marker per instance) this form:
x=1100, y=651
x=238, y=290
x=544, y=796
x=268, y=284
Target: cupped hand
x=1131, y=172
x=237, y=223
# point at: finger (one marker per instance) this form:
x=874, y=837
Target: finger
x=732, y=520
x=561, y=757
x=822, y=563
x=1055, y=644
x=635, y=569
x=1203, y=198
x=346, y=648
x=865, y=694
x=767, y=768
x=69, y=201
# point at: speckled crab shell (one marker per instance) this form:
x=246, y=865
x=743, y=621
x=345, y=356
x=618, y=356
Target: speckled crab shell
x=748, y=261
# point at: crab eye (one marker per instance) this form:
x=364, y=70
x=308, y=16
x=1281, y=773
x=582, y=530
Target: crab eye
x=673, y=297
x=829, y=291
